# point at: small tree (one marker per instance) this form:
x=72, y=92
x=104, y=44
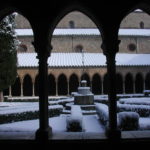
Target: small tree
x=8, y=54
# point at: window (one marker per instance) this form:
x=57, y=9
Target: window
x=71, y=24
x=78, y=48
x=142, y=25
x=22, y=48
x=132, y=47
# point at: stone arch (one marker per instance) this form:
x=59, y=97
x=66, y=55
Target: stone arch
x=119, y=83
x=36, y=86
x=64, y=13
x=147, y=81
x=51, y=85
x=129, y=83
x=105, y=84
x=96, y=84
x=86, y=77
x=16, y=88
x=139, y=83
x=27, y=85
x=73, y=83
x=62, y=85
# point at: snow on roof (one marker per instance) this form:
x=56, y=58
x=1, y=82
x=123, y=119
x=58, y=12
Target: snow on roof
x=57, y=32
x=90, y=60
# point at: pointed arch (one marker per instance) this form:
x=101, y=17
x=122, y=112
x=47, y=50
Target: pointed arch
x=62, y=85
x=51, y=85
x=16, y=88
x=36, y=85
x=86, y=77
x=139, y=83
x=105, y=84
x=119, y=83
x=27, y=85
x=147, y=81
x=73, y=83
x=128, y=83
x=96, y=84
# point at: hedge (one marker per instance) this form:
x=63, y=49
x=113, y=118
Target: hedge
x=28, y=115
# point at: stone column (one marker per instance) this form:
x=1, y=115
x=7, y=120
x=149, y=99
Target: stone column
x=124, y=86
x=33, y=93
x=21, y=88
x=42, y=47
x=10, y=95
x=56, y=88
x=110, y=48
x=102, y=86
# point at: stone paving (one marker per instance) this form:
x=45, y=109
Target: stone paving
x=73, y=135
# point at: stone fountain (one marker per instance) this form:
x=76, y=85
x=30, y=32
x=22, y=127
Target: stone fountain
x=84, y=96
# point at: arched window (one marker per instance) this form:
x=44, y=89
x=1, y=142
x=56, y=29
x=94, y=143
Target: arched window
x=85, y=76
x=128, y=83
x=51, y=85
x=142, y=25
x=73, y=83
x=105, y=84
x=62, y=85
x=96, y=84
x=16, y=88
x=119, y=83
x=27, y=86
x=36, y=86
x=71, y=24
x=139, y=83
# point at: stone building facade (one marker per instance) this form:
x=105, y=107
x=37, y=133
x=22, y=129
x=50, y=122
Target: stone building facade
x=130, y=79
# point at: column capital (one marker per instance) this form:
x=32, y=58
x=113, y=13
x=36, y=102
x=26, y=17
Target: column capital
x=110, y=47
x=43, y=50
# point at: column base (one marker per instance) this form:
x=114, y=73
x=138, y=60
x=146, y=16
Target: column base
x=113, y=135
x=43, y=134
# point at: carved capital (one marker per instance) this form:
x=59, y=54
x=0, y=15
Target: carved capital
x=43, y=50
x=110, y=47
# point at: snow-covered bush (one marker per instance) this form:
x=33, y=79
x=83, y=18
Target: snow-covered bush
x=136, y=101
x=102, y=111
x=75, y=120
x=128, y=120
x=29, y=114
x=142, y=110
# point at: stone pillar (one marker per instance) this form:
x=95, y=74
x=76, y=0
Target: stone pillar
x=102, y=86
x=110, y=48
x=21, y=88
x=10, y=95
x=124, y=86
x=33, y=93
x=42, y=47
x=56, y=88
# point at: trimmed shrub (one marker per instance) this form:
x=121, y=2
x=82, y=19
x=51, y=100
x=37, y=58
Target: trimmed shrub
x=75, y=120
x=128, y=121
x=28, y=115
x=102, y=111
x=142, y=110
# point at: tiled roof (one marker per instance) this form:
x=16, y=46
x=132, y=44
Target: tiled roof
x=90, y=60
x=75, y=32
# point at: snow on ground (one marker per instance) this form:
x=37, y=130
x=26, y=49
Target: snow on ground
x=58, y=124
x=144, y=123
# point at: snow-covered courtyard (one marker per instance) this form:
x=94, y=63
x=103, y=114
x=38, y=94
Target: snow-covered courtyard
x=58, y=123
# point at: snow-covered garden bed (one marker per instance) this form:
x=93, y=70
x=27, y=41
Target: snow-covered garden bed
x=18, y=111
